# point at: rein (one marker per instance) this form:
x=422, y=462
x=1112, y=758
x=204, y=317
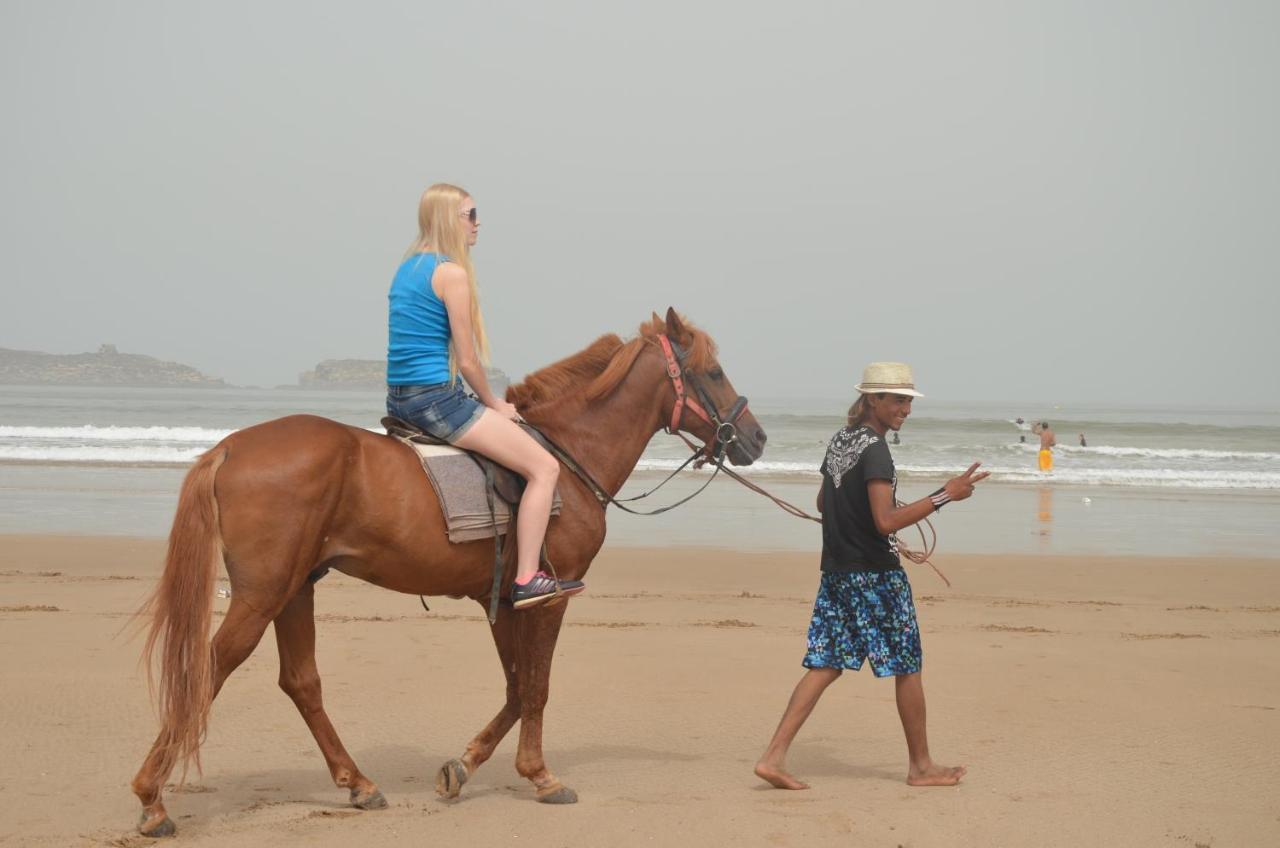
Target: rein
x=928, y=543
x=604, y=498
x=726, y=433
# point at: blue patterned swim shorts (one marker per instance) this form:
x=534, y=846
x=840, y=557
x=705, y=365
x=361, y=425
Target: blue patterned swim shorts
x=865, y=615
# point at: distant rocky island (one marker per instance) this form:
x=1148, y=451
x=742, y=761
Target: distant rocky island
x=345, y=374
x=369, y=374
x=107, y=367
x=110, y=367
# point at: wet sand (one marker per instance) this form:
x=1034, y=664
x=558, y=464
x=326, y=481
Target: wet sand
x=1094, y=700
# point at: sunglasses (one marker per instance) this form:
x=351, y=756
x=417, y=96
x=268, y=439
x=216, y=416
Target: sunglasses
x=470, y=215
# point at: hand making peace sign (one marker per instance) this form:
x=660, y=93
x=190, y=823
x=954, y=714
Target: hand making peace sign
x=959, y=488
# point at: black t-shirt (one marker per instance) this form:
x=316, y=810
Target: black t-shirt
x=850, y=541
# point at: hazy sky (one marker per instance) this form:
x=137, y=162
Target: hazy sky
x=1065, y=201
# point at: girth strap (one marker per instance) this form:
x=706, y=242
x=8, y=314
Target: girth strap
x=496, y=589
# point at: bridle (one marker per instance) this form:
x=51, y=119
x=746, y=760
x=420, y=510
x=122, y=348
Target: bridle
x=703, y=407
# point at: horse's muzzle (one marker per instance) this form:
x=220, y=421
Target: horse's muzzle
x=748, y=443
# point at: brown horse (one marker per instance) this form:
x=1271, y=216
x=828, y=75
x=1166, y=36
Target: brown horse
x=280, y=503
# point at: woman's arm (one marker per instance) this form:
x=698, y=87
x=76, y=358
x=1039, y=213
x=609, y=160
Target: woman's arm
x=450, y=282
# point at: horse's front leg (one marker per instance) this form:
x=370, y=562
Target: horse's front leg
x=456, y=772
x=536, y=633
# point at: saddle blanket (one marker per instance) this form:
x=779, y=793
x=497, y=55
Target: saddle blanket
x=460, y=487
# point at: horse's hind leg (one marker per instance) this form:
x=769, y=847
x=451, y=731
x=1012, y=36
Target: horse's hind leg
x=300, y=679
x=455, y=773
x=235, y=640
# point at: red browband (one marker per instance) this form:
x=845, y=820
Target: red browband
x=682, y=398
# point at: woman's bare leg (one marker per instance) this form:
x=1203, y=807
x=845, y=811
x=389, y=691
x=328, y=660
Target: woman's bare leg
x=504, y=442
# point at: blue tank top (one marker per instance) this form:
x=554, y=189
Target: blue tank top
x=418, y=328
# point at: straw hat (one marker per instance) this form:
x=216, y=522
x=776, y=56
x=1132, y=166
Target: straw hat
x=891, y=377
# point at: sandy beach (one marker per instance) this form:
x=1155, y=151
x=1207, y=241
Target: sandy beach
x=1095, y=700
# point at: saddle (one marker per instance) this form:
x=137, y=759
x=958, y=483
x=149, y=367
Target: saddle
x=477, y=496
x=465, y=481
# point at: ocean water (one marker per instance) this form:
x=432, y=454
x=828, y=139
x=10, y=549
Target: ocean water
x=93, y=460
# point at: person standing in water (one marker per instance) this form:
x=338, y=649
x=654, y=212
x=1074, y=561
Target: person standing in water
x=1023, y=426
x=436, y=332
x=1047, y=443
x=864, y=609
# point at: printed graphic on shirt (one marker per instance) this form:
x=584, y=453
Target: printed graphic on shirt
x=851, y=541
x=846, y=449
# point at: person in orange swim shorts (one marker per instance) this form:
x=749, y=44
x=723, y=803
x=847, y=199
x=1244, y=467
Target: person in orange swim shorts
x=1047, y=442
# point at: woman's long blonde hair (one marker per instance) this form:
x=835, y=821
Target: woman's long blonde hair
x=440, y=231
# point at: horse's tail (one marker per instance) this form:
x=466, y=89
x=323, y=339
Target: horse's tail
x=181, y=610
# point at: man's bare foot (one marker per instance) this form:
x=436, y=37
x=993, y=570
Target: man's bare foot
x=935, y=775
x=778, y=777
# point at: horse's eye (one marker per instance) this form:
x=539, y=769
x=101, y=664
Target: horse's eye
x=716, y=374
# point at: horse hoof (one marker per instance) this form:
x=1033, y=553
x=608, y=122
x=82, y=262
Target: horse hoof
x=450, y=779
x=375, y=800
x=162, y=828
x=559, y=795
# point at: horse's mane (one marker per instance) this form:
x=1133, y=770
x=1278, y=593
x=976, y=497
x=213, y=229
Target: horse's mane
x=596, y=371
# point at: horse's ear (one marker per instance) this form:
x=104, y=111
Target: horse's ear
x=675, y=327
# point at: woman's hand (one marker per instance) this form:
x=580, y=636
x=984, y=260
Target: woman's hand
x=507, y=410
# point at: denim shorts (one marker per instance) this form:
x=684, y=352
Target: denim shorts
x=865, y=615
x=443, y=410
